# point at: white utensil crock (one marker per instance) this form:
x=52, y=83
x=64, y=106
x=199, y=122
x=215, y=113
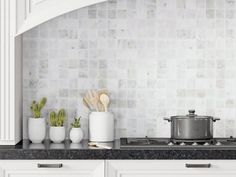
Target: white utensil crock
x=101, y=127
x=36, y=129
x=57, y=134
x=76, y=135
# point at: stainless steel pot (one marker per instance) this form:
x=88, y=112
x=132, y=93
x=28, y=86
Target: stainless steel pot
x=191, y=126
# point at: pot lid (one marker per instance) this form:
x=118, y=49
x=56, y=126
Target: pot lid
x=190, y=115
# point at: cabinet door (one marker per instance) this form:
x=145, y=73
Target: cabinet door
x=31, y=13
x=173, y=168
x=55, y=168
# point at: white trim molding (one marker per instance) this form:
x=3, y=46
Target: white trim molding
x=31, y=13
x=10, y=77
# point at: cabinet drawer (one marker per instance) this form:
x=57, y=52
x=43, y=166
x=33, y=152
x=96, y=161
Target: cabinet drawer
x=171, y=168
x=52, y=168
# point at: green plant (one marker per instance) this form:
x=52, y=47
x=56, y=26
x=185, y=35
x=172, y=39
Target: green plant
x=58, y=119
x=76, y=123
x=37, y=107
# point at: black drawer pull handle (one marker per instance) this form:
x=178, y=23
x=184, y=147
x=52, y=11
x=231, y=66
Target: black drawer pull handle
x=60, y=165
x=188, y=165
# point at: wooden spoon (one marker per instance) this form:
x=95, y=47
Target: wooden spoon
x=105, y=101
x=103, y=91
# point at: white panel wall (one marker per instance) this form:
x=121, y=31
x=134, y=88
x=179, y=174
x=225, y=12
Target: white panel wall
x=9, y=130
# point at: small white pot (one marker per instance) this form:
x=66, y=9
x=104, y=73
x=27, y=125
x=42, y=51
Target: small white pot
x=57, y=134
x=36, y=146
x=36, y=129
x=76, y=146
x=76, y=135
x=101, y=127
x=57, y=146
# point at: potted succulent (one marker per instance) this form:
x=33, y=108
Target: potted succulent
x=57, y=132
x=76, y=133
x=37, y=123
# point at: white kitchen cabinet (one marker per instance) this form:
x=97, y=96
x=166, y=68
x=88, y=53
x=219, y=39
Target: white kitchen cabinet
x=116, y=168
x=16, y=17
x=34, y=12
x=170, y=168
x=69, y=168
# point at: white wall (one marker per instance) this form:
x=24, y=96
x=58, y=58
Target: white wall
x=157, y=57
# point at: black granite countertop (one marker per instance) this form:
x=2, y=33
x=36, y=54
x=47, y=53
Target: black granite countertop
x=67, y=150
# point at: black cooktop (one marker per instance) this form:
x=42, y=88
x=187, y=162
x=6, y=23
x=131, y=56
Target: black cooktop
x=168, y=142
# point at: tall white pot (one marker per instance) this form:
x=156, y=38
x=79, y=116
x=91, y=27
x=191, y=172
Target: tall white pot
x=36, y=129
x=101, y=127
x=57, y=134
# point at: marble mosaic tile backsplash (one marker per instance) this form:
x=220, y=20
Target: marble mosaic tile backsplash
x=157, y=58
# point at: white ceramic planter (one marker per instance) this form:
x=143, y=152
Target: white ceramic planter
x=36, y=129
x=101, y=127
x=57, y=134
x=57, y=146
x=36, y=146
x=76, y=135
x=76, y=146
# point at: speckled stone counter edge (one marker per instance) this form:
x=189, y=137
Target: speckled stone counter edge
x=117, y=154
x=24, y=151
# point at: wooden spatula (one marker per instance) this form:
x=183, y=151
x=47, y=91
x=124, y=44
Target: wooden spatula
x=86, y=104
x=93, y=98
x=105, y=101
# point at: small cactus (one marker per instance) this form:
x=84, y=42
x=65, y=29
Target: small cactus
x=58, y=120
x=53, y=118
x=37, y=107
x=76, y=123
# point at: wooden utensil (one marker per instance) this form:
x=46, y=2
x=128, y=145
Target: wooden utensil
x=94, y=99
x=100, y=107
x=88, y=100
x=104, y=98
x=86, y=104
x=100, y=92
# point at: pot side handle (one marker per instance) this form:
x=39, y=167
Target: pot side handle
x=215, y=119
x=167, y=119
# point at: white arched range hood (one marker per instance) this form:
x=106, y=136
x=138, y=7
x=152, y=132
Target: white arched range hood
x=31, y=13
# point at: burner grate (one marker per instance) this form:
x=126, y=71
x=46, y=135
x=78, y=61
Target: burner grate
x=168, y=142
x=193, y=142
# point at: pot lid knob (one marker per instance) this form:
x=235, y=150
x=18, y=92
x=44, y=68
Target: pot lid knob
x=191, y=112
